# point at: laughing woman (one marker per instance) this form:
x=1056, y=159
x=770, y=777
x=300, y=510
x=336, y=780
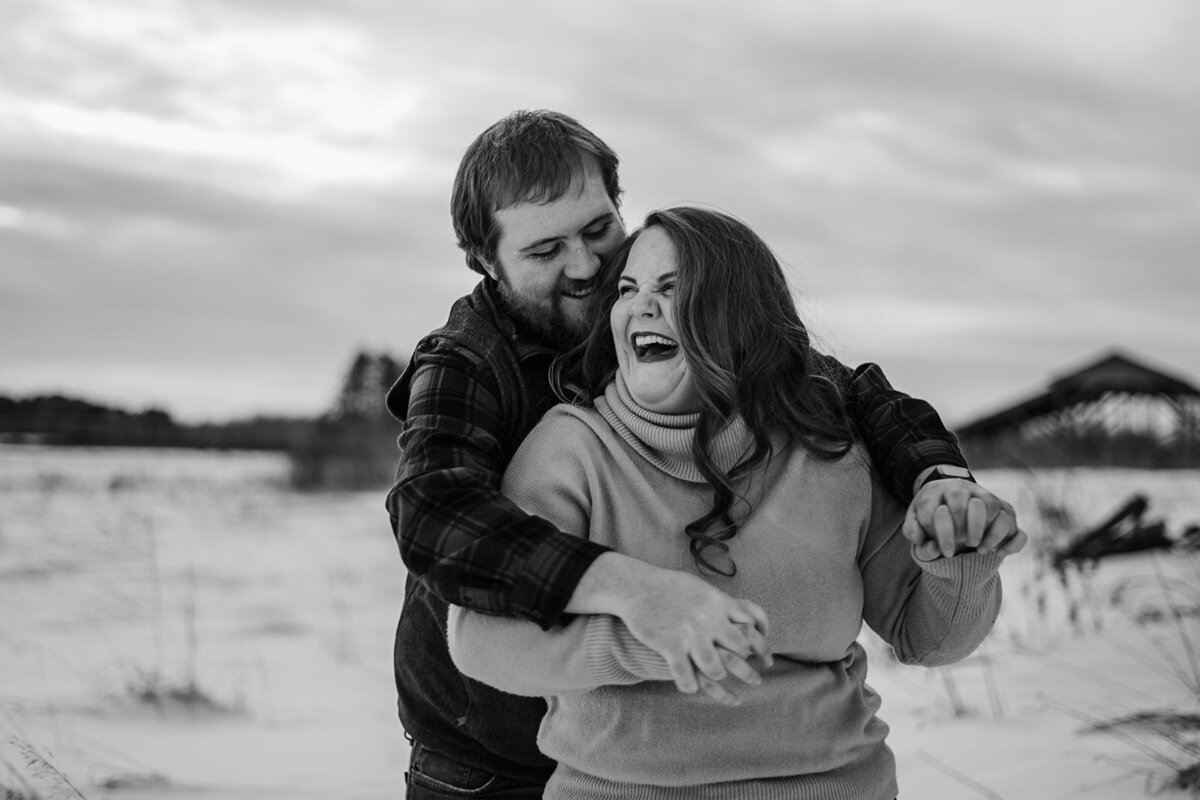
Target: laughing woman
x=713, y=436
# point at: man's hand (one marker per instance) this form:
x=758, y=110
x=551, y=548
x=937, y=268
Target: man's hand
x=703, y=634
x=686, y=620
x=951, y=516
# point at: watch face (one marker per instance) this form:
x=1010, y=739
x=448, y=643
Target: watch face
x=940, y=473
x=953, y=472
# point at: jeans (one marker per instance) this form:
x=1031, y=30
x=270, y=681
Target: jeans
x=433, y=776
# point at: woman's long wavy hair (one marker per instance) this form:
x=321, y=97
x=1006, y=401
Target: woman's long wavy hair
x=747, y=349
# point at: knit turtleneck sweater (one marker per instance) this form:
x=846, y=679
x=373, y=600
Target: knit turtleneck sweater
x=821, y=551
x=665, y=440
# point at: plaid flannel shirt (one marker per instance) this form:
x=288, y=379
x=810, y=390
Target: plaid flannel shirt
x=472, y=544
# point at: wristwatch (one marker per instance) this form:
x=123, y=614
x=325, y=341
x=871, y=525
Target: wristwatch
x=948, y=471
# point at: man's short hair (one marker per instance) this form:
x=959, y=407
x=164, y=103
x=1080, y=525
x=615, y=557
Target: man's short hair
x=527, y=157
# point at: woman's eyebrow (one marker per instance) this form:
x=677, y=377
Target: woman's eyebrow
x=666, y=276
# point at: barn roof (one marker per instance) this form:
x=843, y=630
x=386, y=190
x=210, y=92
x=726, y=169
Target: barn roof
x=1114, y=372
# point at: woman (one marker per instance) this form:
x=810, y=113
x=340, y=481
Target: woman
x=713, y=436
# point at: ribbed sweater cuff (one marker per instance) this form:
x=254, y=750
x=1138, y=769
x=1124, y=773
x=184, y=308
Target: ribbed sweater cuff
x=615, y=656
x=963, y=583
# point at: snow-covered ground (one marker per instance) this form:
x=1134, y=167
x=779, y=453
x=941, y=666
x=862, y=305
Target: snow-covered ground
x=182, y=625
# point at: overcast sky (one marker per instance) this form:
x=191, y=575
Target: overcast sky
x=209, y=205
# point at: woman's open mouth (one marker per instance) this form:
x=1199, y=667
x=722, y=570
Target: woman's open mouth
x=653, y=346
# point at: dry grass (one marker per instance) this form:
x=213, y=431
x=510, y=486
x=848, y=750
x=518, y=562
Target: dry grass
x=1163, y=610
x=53, y=783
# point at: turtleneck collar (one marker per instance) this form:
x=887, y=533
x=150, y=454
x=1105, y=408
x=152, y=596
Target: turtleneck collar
x=665, y=440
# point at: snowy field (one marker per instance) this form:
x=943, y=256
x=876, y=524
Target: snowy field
x=181, y=625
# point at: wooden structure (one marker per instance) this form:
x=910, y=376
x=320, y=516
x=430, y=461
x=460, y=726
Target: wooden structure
x=1114, y=410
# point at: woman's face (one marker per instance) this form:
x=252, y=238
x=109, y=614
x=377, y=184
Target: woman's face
x=643, y=326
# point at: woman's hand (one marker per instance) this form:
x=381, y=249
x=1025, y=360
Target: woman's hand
x=702, y=633
x=737, y=664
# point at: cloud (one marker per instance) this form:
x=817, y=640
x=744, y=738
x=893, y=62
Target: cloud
x=233, y=186
x=151, y=272
x=274, y=104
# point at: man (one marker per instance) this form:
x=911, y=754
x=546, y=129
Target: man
x=536, y=210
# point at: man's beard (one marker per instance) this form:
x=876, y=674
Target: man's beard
x=548, y=322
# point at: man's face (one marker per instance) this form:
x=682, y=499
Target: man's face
x=548, y=256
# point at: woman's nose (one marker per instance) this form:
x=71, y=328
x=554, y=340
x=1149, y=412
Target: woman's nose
x=645, y=302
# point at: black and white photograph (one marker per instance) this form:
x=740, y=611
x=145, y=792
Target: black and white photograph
x=656, y=400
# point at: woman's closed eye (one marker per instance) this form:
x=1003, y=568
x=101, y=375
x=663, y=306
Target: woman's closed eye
x=627, y=290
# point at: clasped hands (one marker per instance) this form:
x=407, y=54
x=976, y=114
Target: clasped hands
x=706, y=636
x=949, y=517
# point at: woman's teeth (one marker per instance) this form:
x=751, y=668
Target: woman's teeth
x=653, y=346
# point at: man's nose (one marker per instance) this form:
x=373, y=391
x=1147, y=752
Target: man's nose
x=582, y=262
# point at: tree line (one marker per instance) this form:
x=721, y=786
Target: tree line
x=351, y=445
x=59, y=420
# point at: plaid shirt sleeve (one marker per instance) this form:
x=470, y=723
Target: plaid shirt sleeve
x=903, y=434
x=471, y=545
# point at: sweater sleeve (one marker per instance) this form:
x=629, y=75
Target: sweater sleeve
x=518, y=657
x=930, y=612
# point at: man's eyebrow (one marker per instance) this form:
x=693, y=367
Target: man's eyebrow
x=607, y=216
